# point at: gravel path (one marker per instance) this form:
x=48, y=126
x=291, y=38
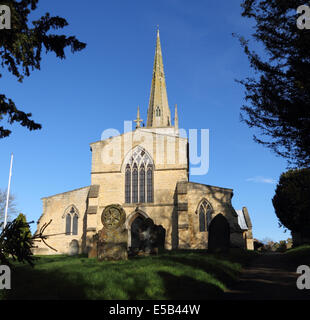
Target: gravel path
x=269, y=277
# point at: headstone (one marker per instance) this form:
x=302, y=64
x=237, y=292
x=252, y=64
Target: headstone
x=146, y=237
x=73, y=248
x=219, y=234
x=93, y=252
x=112, y=239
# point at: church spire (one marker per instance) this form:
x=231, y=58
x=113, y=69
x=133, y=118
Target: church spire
x=158, y=114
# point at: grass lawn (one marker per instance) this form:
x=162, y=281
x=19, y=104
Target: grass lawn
x=170, y=275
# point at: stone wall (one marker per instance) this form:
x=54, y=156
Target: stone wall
x=175, y=199
x=169, y=168
x=189, y=196
x=54, y=208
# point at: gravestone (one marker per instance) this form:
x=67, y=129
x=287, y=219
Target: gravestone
x=112, y=239
x=73, y=248
x=92, y=252
x=219, y=235
x=146, y=237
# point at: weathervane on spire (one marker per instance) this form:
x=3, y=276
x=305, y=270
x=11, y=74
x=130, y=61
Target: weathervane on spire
x=138, y=120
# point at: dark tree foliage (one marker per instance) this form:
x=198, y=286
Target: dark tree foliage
x=279, y=97
x=292, y=201
x=21, y=52
x=25, y=231
x=16, y=241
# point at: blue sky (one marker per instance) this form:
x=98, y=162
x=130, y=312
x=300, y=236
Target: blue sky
x=77, y=98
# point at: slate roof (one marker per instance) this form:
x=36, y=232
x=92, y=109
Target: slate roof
x=241, y=220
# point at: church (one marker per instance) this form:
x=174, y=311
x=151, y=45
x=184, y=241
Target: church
x=146, y=172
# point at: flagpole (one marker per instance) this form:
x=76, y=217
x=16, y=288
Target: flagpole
x=8, y=194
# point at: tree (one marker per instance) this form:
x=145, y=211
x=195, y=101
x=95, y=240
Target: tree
x=11, y=208
x=25, y=230
x=279, y=97
x=21, y=52
x=292, y=201
x=282, y=246
x=16, y=242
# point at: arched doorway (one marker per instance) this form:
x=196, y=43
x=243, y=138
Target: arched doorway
x=219, y=234
x=143, y=234
x=132, y=224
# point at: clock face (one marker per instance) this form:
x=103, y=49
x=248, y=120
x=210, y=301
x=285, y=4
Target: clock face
x=113, y=216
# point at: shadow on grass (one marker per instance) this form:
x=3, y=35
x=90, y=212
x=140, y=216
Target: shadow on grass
x=31, y=284
x=225, y=271
x=179, y=275
x=187, y=288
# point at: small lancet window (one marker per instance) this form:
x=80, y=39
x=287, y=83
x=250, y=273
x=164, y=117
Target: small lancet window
x=135, y=183
x=75, y=224
x=128, y=184
x=150, y=183
x=68, y=224
x=142, y=183
x=158, y=112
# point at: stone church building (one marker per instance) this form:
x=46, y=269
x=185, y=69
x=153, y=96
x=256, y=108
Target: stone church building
x=146, y=171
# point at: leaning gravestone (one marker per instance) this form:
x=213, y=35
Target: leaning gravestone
x=112, y=239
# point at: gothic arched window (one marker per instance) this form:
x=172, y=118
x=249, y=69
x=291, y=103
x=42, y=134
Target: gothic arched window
x=204, y=215
x=139, y=177
x=71, y=222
